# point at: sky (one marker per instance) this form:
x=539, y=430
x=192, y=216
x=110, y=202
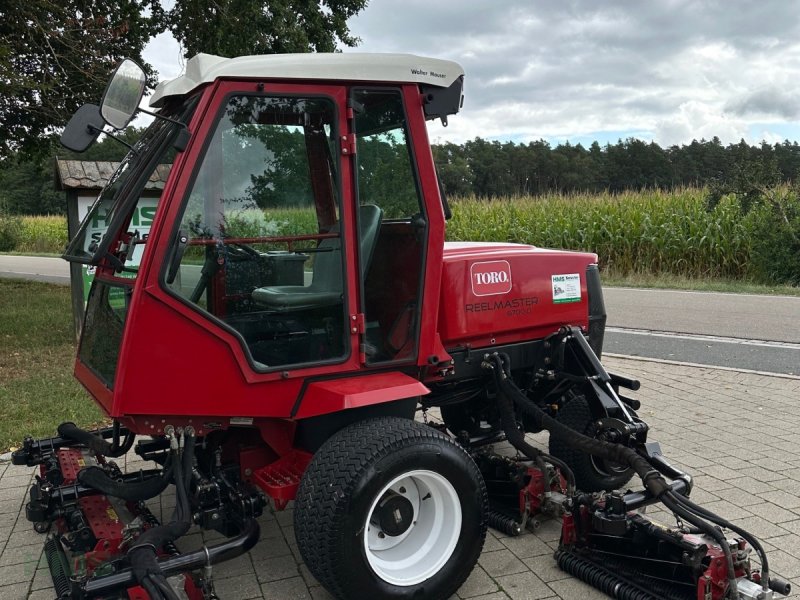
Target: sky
x=668, y=71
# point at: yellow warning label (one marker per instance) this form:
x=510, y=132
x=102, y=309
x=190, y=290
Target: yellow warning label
x=81, y=462
x=112, y=514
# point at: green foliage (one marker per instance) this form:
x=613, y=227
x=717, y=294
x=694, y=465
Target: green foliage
x=26, y=187
x=275, y=157
x=106, y=148
x=43, y=234
x=10, y=232
x=749, y=178
x=491, y=169
x=649, y=232
x=385, y=177
x=238, y=27
x=771, y=209
x=774, y=224
x=56, y=56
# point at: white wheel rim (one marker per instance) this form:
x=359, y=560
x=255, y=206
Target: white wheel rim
x=423, y=549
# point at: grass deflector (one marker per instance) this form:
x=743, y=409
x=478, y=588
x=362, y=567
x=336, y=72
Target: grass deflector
x=289, y=308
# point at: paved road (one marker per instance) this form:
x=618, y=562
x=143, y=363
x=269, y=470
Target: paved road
x=37, y=268
x=766, y=357
x=746, y=316
x=742, y=331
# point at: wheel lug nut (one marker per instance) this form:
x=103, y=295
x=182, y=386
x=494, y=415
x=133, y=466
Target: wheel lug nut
x=381, y=535
x=402, y=490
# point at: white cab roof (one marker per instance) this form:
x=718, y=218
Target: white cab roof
x=351, y=66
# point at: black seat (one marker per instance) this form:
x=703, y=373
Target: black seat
x=326, y=284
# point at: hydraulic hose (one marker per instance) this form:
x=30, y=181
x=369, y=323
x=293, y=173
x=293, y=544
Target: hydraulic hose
x=97, y=478
x=189, y=561
x=142, y=555
x=565, y=471
x=517, y=439
x=650, y=477
x=670, y=501
x=71, y=431
x=723, y=522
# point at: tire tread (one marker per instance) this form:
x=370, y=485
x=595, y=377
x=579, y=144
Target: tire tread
x=331, y=478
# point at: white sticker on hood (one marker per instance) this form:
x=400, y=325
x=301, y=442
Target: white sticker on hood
x=566, y=288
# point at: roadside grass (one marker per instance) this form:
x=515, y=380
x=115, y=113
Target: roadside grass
x=675, y=282
x=37, y=389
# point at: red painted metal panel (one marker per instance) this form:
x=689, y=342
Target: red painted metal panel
x=429, y=184
x=502, y=293
x=324, y=397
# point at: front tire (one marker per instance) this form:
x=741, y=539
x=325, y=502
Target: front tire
x=391, y=508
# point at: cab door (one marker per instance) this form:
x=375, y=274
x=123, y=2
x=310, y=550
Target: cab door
x=254, y=290
x=392, y=225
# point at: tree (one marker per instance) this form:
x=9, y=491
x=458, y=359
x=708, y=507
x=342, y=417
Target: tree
x=454, y=172
x=27, y=188
x=238, y=27
x=56, y=55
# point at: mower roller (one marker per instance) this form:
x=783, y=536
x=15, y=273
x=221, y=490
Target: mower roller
x=281, y=324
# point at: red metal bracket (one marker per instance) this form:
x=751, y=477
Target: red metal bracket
x=348, y=144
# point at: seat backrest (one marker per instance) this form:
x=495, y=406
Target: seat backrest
x=327, y=261
x=369, y=224
x=328, y=264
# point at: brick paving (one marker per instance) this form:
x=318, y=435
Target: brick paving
x=737, y=433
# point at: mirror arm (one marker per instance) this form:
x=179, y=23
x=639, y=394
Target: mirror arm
x=158, y=116
x=183, y=134
x=92, y=129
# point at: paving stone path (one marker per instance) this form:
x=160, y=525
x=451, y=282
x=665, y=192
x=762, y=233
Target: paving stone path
x=737, y=433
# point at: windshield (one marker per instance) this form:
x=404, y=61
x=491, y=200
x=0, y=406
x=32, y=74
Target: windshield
x=112, y=207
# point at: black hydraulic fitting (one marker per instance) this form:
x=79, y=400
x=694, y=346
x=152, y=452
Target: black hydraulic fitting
x=780, y=586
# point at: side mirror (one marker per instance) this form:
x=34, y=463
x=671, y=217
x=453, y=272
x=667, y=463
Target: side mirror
x=83, y=128
x=123, y=94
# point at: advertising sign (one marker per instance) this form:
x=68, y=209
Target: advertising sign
x=141, y=221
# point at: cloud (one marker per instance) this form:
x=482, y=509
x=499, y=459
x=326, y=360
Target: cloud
x=770, y=101
x=670, y=71
x=677, y=68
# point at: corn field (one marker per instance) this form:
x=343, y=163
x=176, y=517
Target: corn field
x=633, y=233
x=42, y=234
x=649, y=232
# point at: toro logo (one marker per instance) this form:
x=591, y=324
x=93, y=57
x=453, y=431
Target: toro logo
x=490, y=278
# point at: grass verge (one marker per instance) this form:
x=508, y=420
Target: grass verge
x=675, y=282
x=37, y=389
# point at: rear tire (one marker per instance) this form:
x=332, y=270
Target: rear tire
x=591, y=474
x=391, y=508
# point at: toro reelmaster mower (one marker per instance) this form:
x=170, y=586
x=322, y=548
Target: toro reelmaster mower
x=270, y=329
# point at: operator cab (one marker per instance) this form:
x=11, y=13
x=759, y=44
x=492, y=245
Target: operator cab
x=300, y=213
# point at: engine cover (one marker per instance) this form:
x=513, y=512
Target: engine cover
x=504, y=293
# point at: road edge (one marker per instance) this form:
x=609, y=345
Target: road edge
x=701, y=366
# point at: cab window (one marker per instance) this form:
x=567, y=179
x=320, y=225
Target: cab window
x=387, y=179
x=259, y=246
